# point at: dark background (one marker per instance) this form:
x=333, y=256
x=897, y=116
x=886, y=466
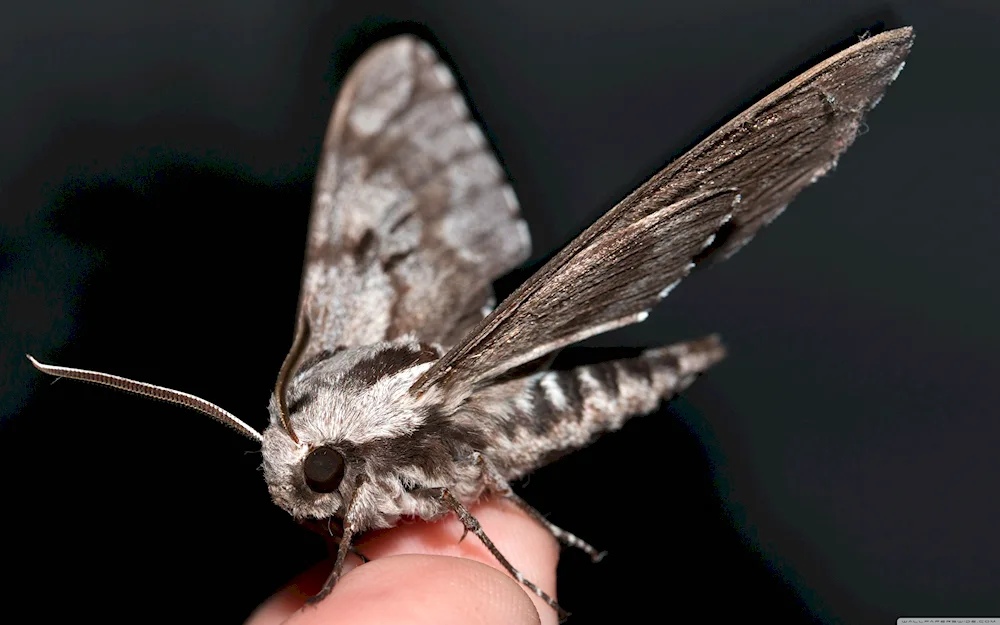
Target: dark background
x=155, y=179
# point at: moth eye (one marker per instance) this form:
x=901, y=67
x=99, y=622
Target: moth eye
x=323, y=469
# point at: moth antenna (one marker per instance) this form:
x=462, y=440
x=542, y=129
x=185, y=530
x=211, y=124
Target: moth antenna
x=151, y=390
x=298, y=345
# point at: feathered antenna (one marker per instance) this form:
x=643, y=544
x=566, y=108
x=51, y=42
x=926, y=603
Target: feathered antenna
x=298, y=345
x=151, y=390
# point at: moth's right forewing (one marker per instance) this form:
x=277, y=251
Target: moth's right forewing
x=766, y=155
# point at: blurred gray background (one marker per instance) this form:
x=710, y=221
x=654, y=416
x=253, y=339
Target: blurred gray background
x=155, y=179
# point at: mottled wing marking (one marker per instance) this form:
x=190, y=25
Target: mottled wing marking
x=412, y=216
x=603, y=279
x=538, y=419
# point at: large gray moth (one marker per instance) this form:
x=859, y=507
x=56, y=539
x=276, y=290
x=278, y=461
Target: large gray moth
x=405, y=392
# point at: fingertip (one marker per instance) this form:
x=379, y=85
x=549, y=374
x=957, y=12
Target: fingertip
x=282, y=604
x=527, y=545
x=417, y=589
x=460, y=593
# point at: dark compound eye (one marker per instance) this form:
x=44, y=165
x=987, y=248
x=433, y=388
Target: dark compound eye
x=323, y=469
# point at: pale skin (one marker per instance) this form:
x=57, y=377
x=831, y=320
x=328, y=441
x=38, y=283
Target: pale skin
x=420, y=573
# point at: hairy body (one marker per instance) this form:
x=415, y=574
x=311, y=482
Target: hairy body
x=398, y=447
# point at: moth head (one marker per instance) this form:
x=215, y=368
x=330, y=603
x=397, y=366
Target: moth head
x=334, y=416
x=309, y=478
x=303, y=476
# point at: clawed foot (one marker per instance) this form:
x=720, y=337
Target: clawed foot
x=315, y=599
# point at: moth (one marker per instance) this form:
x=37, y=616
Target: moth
x=406, y=393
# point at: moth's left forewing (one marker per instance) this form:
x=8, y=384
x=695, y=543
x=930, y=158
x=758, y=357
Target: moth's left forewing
x=412, y=216
x=723, y=190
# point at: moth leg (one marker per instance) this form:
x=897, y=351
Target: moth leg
x=338, y=565
x=337, y=540
x=567, y=538
x=472, y=525
x=342, y=550
x=496, y=483
x=326, y=531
